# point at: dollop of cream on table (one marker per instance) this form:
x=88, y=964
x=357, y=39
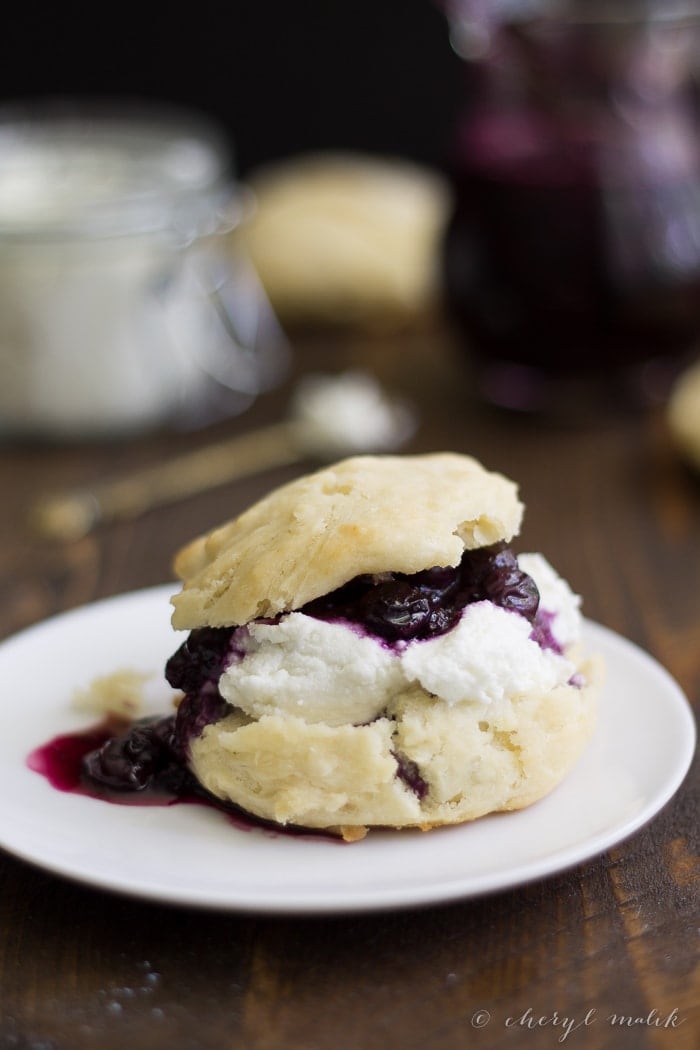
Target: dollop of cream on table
x=349, y=413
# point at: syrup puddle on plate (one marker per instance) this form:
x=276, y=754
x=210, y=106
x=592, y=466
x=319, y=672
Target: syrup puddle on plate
x=65, y=762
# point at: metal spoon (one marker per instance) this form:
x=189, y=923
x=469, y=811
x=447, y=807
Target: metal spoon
x=331, y=417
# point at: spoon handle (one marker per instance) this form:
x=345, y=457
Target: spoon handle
x=72, y=515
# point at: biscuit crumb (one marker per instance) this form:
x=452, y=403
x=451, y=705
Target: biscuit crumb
x=119, y=693
x=352, y=833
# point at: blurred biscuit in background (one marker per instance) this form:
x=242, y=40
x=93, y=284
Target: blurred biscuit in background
x=683, y=414
x=347, y=239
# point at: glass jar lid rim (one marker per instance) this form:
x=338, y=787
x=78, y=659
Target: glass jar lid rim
x=103, y=170
x=610, y=12
x=577, y=12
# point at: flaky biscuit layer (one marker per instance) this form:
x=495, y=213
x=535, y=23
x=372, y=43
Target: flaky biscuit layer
x=366, y=514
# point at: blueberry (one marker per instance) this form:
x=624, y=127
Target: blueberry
x=134, y=759
x=200, y=659
x=505, y=584
x=408, y=771
x=439, y=582
x=399, y=607
x=194, y=713
x=396, y=610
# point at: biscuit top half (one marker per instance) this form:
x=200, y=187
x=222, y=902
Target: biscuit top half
x=363, y=515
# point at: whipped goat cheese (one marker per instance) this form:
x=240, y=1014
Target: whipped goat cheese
x=318, y=671
x=489, y=654
x=332, y=672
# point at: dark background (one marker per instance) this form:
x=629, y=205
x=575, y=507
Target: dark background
x=370, y=75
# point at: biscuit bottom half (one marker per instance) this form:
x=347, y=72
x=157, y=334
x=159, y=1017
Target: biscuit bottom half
x=422, y=764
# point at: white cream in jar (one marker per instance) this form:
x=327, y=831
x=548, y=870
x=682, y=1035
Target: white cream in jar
x=107, y=226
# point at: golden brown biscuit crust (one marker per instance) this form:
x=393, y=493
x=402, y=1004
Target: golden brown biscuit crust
x=366, y=514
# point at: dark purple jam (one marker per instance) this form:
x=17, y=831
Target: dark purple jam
x=401, y=608
x=602, y=295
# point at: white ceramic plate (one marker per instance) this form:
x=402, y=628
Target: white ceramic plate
x=193, y=855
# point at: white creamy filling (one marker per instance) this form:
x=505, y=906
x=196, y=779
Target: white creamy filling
x=488, y=655
x=335, y=674
x=318, y=671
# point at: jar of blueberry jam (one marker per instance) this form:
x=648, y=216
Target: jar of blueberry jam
x=572, y=260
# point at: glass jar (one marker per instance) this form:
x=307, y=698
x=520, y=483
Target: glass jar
x=572, y=260
x=116, y=277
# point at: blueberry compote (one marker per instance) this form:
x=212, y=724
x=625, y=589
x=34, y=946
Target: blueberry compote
x=195, y=669
x=200, y=659
x=402, y=608
x=120, y=761
x=145, y=760
x=136, y=764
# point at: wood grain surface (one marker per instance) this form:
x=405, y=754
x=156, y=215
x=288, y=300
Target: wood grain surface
x=602, y=956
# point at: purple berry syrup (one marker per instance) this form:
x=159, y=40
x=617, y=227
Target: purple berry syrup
x=118, y=761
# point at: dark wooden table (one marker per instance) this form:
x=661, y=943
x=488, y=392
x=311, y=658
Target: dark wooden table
x=619, y=516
